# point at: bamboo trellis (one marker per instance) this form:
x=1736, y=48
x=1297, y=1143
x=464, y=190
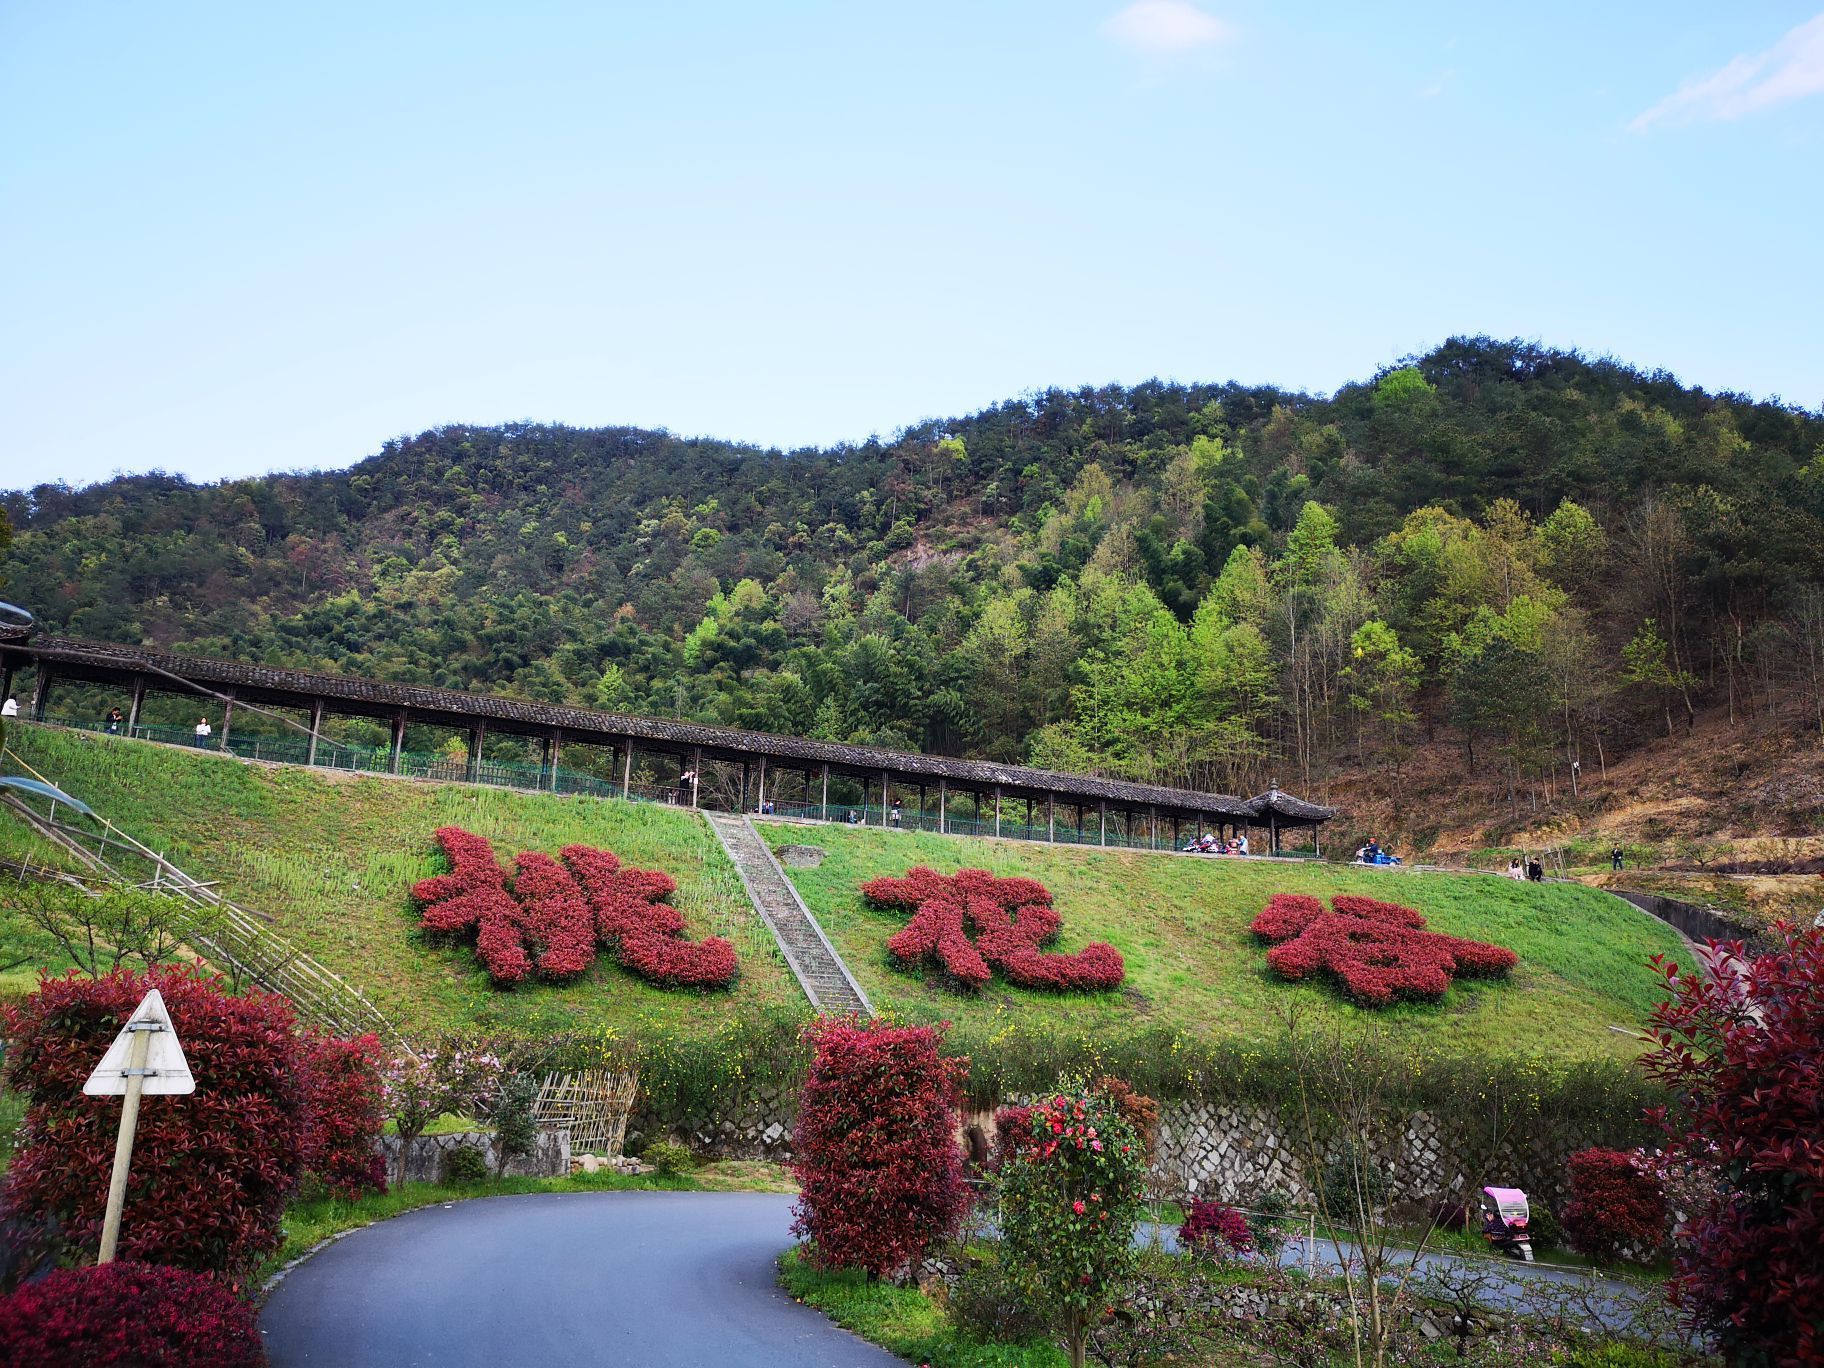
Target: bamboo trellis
x=593, y=1105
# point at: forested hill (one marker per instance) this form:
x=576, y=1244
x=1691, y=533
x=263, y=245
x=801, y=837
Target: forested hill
x=1521, y=550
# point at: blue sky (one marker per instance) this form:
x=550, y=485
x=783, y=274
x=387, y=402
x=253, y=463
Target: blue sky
x=241, y=237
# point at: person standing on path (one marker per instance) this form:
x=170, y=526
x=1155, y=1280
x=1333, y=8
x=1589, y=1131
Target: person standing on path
x=115, y=720
x=1615, y=858
x=203, y=731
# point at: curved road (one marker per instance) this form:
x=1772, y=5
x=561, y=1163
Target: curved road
x=658, y=1279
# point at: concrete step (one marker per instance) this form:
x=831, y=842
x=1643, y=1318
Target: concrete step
x=826, y=980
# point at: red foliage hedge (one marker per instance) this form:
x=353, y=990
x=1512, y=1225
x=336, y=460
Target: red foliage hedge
x=551, y=918
x=344, y=1096
x=1012, y=920
x=1376, y=950
x=128, y=1315
x=878, y=1166
x=211, y=1171
x=1742, y=1048
x=1215, y=1231
x=1616, y=1204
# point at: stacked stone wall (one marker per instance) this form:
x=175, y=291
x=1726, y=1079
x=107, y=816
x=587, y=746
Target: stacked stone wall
x=1233, y=1152
x=428, y=1155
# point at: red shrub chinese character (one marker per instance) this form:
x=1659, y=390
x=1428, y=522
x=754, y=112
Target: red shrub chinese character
x=553, y=916
x=1012, y=920
x=1377, y=951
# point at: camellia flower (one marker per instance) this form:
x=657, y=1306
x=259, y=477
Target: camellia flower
x=1078, y=1207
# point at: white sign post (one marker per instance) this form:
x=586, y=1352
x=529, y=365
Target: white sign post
x=144, y=1058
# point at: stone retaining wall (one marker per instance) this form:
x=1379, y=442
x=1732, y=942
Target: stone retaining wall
x=1236, y=1152
x=1229, y=1151
x=425, y=1160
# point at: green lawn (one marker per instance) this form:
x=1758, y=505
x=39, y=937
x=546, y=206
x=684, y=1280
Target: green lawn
x=1181, y=924
x=330, y=858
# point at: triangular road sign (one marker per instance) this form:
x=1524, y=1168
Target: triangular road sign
x=166, y=1069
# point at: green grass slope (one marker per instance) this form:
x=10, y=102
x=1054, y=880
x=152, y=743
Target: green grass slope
x=1182, y=925
x=331, y=859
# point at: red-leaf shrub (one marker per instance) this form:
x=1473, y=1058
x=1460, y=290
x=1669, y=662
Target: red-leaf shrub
x=344, y=1093
x=128, y=1315
x=1214, y=1231
x=1012, y=918
x=211, y=1171
x=1742, y=1049
x=1136, y=1108
x=1012, y=1129
x=1617, y=1204
x=878, y=1166
x=552, y=917
x=1376, y=950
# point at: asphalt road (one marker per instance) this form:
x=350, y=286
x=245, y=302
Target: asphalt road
x=628, y=1279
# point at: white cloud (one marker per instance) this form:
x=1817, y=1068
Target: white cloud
x=1789, y=70
x=1165, y=27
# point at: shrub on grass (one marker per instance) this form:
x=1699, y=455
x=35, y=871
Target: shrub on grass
x=1544, y=1226
x=212, y=1171
x=880, y=1173
x=1616, y=1205
x=465, y=1165
x=1376, y=951
x=1354, y=1185
x=988, y=1303
x=1012, y=919
x=515, y=1126
x=128, y=1315
x=1212, y=1230
x=668, y=1159
x=343, y=1101
x=1069, y=1201
x=1270, y=1224
x=1454, y=1216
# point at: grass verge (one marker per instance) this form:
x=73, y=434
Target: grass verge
x=902, y=1320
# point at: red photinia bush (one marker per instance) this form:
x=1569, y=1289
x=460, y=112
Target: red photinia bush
x=128, y=1315
x=211, y=1171
x=1376, y=950
x=879, y=1170
x=1212, y=1230
x=1742, y=1049
x=1012, y=1129
x=1012, y=920
x=344, y=1092
x=1617, y=1205
x=1136, y=1108
x=552, y=916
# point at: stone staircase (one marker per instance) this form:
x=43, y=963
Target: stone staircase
x=820, y=971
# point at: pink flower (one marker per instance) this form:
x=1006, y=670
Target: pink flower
x=1096, y=1145
x=1078, y=1207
